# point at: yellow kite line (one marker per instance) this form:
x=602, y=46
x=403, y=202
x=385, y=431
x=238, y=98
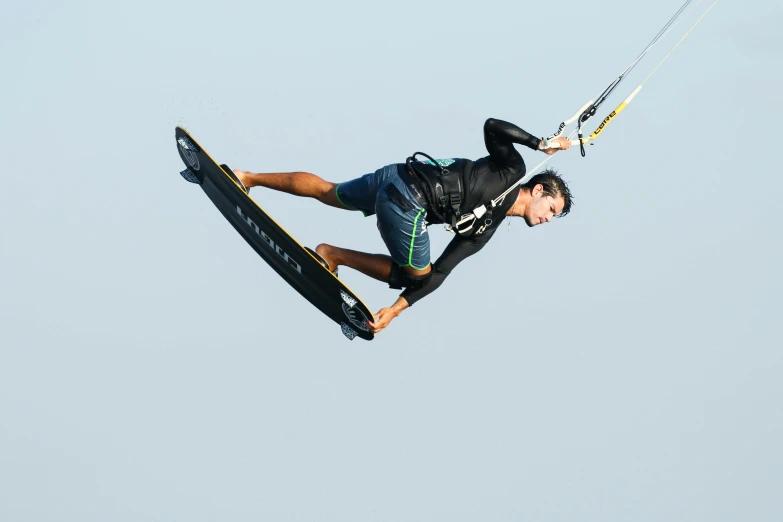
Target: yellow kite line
x=631, y=96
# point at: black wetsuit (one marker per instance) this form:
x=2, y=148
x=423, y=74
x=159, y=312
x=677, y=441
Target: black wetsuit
x=482, y=180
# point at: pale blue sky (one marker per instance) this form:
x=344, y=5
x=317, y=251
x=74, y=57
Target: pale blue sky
x=621, y=364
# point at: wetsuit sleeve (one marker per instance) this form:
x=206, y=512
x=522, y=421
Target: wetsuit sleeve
x=499, y=138
x=456, y=251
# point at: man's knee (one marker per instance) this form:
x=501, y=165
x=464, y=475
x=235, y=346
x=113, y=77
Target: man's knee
x=408, y=277
x=414, y=272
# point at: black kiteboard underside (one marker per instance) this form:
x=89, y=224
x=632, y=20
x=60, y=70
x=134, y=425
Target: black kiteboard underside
x=283, y=253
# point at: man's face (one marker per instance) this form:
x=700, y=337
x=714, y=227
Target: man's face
x=541, y=209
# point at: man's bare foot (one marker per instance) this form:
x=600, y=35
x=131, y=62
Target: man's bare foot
x=325, y=251
x=243, y=177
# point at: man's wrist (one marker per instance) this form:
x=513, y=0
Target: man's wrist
x=399, y=305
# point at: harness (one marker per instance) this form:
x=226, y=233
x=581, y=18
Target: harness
x=443, y=191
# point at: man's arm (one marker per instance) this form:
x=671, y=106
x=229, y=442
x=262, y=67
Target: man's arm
x=500, y=137
x=456, y=251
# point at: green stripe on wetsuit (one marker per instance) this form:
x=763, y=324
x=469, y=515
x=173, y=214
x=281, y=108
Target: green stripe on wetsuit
x=413, y=239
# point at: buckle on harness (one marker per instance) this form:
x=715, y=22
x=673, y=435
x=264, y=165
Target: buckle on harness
x=454, y=228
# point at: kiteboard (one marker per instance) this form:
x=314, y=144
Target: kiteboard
x=298, y=267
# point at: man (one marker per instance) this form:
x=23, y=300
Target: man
x=402, y=196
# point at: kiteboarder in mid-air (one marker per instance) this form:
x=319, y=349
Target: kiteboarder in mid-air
x=406, y=197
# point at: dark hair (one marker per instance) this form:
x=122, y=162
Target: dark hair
x=554, y=186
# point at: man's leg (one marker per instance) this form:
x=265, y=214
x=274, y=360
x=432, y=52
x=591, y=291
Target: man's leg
x=401, y=223
x=302, y=184
x=377, y=266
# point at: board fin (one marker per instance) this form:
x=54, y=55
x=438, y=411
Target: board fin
x=349, y=332
x=189, y=176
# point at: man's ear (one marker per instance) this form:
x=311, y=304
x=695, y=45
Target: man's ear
x=537, y=190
